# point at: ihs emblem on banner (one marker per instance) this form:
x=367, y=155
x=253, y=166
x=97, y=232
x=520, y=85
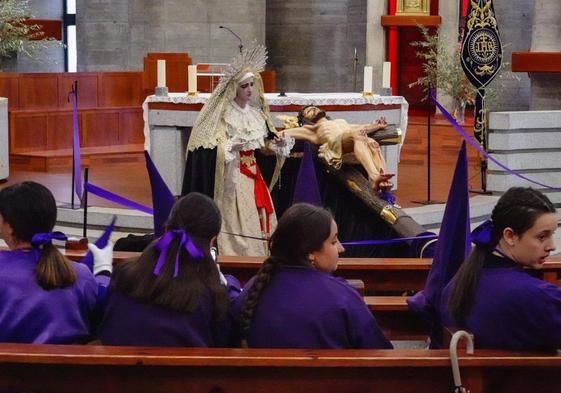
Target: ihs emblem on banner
x=481, y=56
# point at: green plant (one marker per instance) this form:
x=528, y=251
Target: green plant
x=444, y=71
x=16, y=34
x=441, y=69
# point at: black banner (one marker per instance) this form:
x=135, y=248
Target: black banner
x=481, y=57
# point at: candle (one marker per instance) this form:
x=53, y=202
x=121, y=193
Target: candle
x=161, y=73
x=386, y=74
x=192, y=78
x=368, y=79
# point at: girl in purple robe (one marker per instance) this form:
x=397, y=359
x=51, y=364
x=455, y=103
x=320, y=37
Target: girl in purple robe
x=492, y=295
x=173, y=294
x=294, y=301
x=44, y=297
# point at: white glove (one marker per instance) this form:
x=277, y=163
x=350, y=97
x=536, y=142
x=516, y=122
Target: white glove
x=103, y=258
x=214, y=255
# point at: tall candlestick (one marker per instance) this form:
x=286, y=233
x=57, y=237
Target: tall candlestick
x=367, y=80
x=386, y=74
x=161, y=73
x=192, y=78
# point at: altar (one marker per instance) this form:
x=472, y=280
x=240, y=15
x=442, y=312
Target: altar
x=168, y=121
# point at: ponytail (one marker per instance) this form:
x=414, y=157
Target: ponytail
x=54, y=270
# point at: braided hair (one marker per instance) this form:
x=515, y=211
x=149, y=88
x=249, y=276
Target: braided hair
x=301, y=230
x=518, y=209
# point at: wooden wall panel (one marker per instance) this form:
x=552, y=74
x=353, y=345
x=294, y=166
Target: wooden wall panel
x=38, y=91
x=120, y=89
x=9, y=87
x=131, y=127
x=176, y=71
x=87, y=89
x=28, y=132
x=59, y=130
x=100, y=128
x=51, y=28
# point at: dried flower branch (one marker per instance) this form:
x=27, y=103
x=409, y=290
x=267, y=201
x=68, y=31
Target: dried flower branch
x=16, y=34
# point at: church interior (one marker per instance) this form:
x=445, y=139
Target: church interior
x=92, y=91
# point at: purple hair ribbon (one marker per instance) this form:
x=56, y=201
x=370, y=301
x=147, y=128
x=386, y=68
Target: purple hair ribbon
x=387, y=241
x=102, y=193
x=478, y=147
x=40, y=239
x=482, y=235
x=185, y=242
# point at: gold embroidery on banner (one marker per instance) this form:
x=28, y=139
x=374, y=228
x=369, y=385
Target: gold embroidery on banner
x=481, y=16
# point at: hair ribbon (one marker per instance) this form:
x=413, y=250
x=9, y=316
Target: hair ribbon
x=40, y=239
x=185, y=242
x=482, y=235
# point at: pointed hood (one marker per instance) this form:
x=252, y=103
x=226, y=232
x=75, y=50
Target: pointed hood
x=451, y=250
x=306, y=188
x=162, y=198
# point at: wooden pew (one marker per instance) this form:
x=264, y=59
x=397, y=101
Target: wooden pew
x=57, y=368
x=378, y=274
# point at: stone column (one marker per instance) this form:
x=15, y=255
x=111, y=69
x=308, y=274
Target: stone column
x=449, y=11
x=375, y=40
x=4, y=154
x=311, y=43
x=546, y=37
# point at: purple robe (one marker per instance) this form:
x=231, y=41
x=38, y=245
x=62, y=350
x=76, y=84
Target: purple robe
x=511, y=309
x=30, y=314
x=130, y=321
x=305, y=308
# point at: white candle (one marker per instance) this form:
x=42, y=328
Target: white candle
x=368, y=79
x=161, y=73
x=192, y=78
x=386, y=74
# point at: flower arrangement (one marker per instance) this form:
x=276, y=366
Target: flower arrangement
x=16, y=35
x=443, y=70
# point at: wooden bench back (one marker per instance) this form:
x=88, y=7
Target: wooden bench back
x=54, y=368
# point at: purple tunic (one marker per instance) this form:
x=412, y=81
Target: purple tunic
x=306, y=308
x=511, y=309
x=130, y=321
x=30, y=314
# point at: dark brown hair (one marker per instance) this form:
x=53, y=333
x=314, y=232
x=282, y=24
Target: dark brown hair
x=30, y=208
x=518, y=208
x=301, y=230
x=199, y=216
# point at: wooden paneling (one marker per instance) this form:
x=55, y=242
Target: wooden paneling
x=100, y=128
x=38, y=91
x=87, y=89
x=59, y=130
x=28, y=132
x=9, y=83
x=176, y=71
x=131, y=127
x=51, y=28
x=536, y=62
x=120, y=89
x=411, y=20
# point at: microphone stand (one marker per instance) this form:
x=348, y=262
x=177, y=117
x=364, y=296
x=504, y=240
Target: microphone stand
x=240, y=46
x=355, y=66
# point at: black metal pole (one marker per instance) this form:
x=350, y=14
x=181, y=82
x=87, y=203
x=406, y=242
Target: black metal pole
x=428, y=201
x=85, y=203
x=75, y=91
x=428, y=144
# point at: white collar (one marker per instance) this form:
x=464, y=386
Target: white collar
x=245, y=110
